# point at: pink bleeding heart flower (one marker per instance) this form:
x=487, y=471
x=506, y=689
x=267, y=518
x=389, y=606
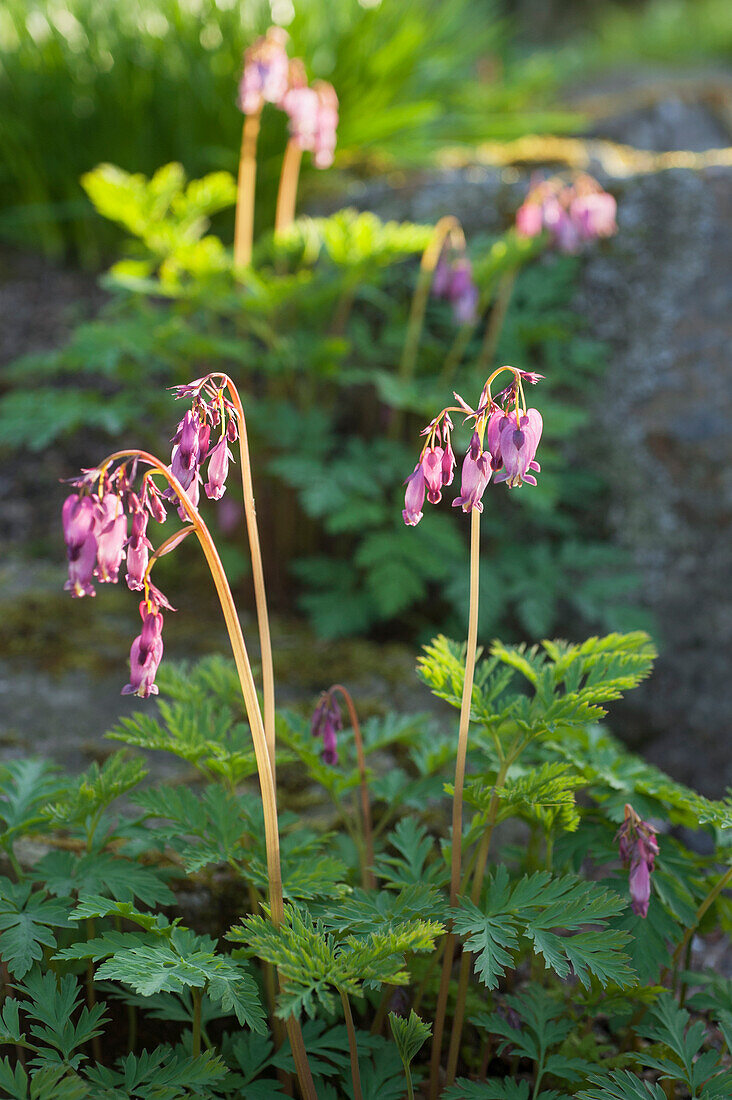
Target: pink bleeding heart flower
x=463, y=292
x=82, y=560
x=218, y=469
x=78, y=517
x=326, y=124
x=518, y=439
x=594, y=215
x=448, y=459
x=111, y=534
x=432, y=470
x=414, y=496
x=138, y=552
x=265, y=75
x=146, y=654
x=493, y=437
x=529, y=219
x=475, y=477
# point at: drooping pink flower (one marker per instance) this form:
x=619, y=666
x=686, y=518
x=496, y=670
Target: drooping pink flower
x=638, y=848
x=432, y=470
x=464, y=292
x=326, y=723
x=517, y=443
x=138, y=552
x=594, y=214
x=111, y=535
x=476, y=475
x=82, y=560
x=265, y=74
x=453, y=281
x=529, y=219
x=441, y=277
x=414, y=496
x=572, y=213
x=193, y=493
x=493, y=437
x=448, y=457
x=152, y=499
x=77, y=517
x=218, y=469
x=300, y=104
x=326, y=124
x=145, y=655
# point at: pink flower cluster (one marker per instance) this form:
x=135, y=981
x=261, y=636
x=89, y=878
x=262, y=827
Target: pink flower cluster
x=191, y=443
x=571, y=213
x=99, y=536
x=638, y=849
x=269, y=76
x=503, y=446
x=453, y=281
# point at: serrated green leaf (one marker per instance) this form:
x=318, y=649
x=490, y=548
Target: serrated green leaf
x=410, y=1035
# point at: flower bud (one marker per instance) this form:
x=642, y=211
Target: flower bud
x=326, y=723
x=638, y=847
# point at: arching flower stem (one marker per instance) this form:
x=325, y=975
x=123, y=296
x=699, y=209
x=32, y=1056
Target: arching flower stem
x=256, y=723
x=260, y=592
x=496, y=319
x=369, y=881
x=446, y=228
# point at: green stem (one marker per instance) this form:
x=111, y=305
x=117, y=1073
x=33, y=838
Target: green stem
x=369, y=880
x=13, y=861
x=456, y=352
x=549, y=851
x=410, y=1087
x=352, y=1046
x=446, y=227
x=457, y=799
x=382, y=1010
x=539, y=1075
x=427, y=975
x=464, y=978
x=709, y=900
x=196, y=1040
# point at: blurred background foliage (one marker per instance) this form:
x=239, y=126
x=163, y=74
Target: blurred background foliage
x=315, y=333
x=145, y=82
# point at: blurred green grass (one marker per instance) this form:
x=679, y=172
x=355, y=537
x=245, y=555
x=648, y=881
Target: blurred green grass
x=143, y=82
